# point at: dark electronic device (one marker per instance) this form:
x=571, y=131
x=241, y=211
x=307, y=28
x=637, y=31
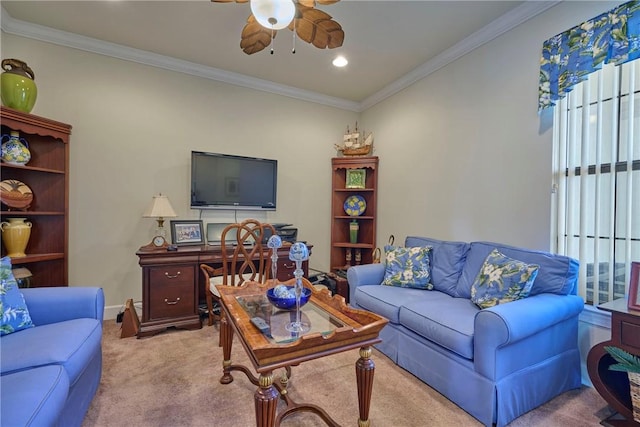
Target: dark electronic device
x=222, y=181
x=286, y=233
x=172, y=248
x=262, y=326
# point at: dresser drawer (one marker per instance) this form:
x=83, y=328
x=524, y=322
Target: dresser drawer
x=171, y=291
x=286, y=268
x=630, y=334
x=172, y=274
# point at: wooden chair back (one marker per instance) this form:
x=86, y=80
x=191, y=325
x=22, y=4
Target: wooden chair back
x=243, y=252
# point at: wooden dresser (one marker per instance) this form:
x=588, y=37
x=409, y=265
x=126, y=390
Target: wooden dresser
x=173, y=286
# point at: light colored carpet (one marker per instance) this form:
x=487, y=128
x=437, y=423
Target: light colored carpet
x=172, y=379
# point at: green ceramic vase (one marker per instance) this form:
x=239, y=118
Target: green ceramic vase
x=353, y=231
x=18, y=89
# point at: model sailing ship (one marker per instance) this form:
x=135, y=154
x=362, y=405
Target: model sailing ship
x=356, y=143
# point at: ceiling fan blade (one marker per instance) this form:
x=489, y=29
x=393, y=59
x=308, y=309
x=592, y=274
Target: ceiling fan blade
x=312, y=3
x=318, y=28
x=229, y=1
x=255, y=37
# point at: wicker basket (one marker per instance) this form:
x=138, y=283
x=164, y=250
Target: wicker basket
x=634, y=388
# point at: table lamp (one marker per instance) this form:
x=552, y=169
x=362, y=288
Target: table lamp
x=160, y=208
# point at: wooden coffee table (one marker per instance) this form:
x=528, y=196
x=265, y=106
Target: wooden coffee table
x=334, y=328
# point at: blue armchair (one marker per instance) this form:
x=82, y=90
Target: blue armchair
x=49, y=373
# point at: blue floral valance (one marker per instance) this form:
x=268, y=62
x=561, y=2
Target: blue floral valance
x=568, y=58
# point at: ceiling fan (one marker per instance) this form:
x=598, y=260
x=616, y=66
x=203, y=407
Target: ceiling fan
x=308, y=23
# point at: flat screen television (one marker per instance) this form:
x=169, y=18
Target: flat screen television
x=223, y=181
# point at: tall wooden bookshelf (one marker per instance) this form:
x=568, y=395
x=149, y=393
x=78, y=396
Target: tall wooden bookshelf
x=47, y=174
x=344, y=253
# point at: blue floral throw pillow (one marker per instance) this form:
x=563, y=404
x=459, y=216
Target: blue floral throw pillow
x=502, y=279
x=408, y=267
x=14, y=315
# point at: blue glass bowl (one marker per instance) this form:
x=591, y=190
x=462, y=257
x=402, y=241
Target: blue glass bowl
x=289, y=303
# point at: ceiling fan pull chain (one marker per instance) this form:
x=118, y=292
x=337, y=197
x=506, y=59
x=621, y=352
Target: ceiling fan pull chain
x=271, y=41
x=294, y=36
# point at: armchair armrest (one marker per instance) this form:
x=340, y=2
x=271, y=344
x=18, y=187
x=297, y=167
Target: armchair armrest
x=366, y=274
x=57, y=304
x=509, y=337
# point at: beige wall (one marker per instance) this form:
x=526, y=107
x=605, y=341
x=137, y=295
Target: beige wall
x=467, y=146
x=472, y=152
x=134, y=127
x=463, y=152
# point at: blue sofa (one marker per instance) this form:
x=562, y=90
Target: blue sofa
x=49, y=373
x=496, y=363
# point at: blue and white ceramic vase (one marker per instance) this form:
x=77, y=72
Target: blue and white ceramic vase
x=15, y=150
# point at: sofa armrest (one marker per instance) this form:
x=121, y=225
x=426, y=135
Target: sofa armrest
x=509, y=337
x=366, y=274
x=57, y=304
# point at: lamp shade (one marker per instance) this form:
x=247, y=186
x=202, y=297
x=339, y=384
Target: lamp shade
x=273, y=14
x=159, y=208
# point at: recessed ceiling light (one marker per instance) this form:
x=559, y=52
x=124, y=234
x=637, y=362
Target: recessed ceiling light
x=340, y=61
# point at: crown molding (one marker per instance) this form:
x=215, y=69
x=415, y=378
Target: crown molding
x=506, y=22
x=51, y=35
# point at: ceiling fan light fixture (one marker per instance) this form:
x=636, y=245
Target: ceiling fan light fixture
x=273, y=14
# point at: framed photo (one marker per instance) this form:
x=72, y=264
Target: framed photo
x=187, y=232
x=356, y=178
x=634, y=287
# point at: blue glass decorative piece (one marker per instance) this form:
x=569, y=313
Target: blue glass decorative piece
x=298, y=253
x=284, y=297
x=274, y=243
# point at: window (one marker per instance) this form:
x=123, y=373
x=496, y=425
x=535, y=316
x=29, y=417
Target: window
x=596, y=179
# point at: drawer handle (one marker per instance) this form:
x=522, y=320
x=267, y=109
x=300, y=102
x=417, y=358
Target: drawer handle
x=170, y=276
x=172, y=302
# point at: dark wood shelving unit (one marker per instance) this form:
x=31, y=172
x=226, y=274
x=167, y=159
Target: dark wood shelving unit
x=341, y=248
x=613, y=386
x=47, y=174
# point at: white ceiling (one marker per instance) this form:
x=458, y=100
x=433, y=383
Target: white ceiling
x=389, y=44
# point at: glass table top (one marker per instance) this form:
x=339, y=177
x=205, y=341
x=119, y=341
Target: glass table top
x=318, y=319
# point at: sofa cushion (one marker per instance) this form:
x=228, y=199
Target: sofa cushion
x=34, y=397
x=447, y=260
x=557, y=274
x=71, y=344
x=386, y=300
x=14, y=314
x=407, y=267
x=502, y=279
x=442, y=319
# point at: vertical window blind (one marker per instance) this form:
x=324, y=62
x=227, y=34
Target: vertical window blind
x=596, y=179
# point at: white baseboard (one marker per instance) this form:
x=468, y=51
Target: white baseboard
x=111, y=312
x=592, y=316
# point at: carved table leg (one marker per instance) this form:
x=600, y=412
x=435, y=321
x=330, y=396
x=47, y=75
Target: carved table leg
x=365, y=369
x=226, y=339
x=266, y=400
x=284, y=381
